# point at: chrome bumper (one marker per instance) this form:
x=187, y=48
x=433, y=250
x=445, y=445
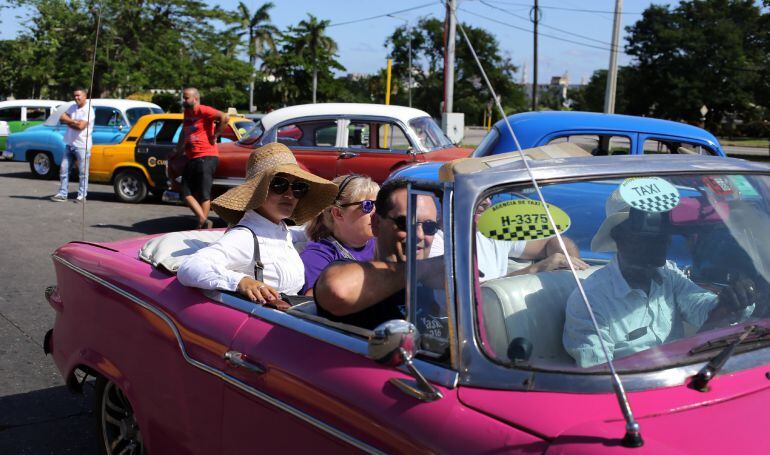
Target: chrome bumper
x=7, y=155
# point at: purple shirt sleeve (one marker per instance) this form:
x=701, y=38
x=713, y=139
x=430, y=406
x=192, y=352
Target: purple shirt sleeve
x=316, y=256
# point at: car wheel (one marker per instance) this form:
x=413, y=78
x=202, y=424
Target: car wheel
x=41, y=165
x=116, y=425
x=130, y=186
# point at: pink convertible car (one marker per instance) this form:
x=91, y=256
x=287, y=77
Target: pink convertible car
x=486, y=361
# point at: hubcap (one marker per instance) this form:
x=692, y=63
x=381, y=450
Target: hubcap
x=129, y=186
x=119, y=429
x=42, y=164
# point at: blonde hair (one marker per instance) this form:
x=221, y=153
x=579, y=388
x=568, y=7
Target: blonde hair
x=354, y=188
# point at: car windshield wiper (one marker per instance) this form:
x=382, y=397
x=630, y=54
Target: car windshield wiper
x=757, y=333
x=701, y=380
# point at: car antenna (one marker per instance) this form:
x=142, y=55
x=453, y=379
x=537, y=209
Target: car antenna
x=633, y=436
x=98, y=11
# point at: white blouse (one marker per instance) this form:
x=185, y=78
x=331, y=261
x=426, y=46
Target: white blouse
x=224, y=263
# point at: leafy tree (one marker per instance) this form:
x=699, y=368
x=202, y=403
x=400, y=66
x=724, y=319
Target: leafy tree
x=261, y=37
x=310, y=41
x=471, y=95
x=711, y=52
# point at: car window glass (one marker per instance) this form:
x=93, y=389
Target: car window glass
x=358, y=135
x=289, y=135
x=429, y=299
x=135, y=113
x=666, y=146
x=243, y=126
x=598, y=145
x=661, y=250
x=10, y=114
x=392, y=137
x=430, y=135
x=36, y=114
x=326, y=135
x=253, y=134
x=162, y=132
x=106, y=116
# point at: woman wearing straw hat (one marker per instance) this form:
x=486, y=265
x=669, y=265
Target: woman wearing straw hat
x=342, y=231
x=276, y=189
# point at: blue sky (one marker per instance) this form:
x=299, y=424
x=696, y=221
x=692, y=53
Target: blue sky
x=361, y=42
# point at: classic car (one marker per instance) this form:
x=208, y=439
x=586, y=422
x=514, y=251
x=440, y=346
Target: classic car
x=137, y=164
x=43, y=145
x=337, y=138
x=18, y=115
x=180, y=370
x=599, y=134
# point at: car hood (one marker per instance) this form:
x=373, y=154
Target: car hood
x=448, y=154
x=672, y=420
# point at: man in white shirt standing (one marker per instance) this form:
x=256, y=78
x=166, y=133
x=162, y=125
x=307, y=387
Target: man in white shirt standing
x=79, y=119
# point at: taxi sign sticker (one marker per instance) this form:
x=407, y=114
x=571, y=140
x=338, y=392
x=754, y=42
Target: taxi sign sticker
x=242, y=131
x=649, y=194
x=521, y=219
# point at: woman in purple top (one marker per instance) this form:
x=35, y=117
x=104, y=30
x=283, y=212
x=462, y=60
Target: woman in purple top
x=342, y=231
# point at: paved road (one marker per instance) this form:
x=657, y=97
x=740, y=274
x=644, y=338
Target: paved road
x=37, y=413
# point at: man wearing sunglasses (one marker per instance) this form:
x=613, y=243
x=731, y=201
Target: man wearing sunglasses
x=641, y=300
x=366, y=294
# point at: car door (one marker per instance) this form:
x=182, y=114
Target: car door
x=306, y=387
x=154, y=147
x=374, y=148
x=314, y=143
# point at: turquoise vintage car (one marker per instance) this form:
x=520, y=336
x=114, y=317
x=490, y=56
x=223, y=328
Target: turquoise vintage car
x=18, y=115
x=43, y=145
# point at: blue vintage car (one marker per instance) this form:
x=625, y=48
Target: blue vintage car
x=43, y=145
x=599, y=134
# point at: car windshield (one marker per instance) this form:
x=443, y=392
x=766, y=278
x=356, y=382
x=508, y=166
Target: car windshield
x=667, y=263
x=252, y=135
x=429, y=133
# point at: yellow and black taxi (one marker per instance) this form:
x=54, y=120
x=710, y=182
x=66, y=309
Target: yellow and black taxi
x=136, y=166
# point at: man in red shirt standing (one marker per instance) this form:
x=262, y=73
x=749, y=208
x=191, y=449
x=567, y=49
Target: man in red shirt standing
x=200, y=130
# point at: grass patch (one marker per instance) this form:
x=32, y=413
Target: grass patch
x=745, y=142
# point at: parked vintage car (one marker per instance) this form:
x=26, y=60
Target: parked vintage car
x=18, y=115
x=599, y=134
x=183, y=371
x=337, y=138
x=43, y=145
x=136, y=165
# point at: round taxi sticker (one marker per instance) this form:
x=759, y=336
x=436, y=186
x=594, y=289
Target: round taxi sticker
x=242, y=131
x=649, y=194
x=521, y=219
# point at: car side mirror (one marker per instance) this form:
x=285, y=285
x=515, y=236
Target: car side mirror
x=394, y=343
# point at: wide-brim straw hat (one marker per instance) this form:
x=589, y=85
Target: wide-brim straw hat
x=265, y=163
x=616, y=211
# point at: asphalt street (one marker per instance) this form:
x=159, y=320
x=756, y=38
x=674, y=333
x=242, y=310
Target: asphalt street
x=38, y=415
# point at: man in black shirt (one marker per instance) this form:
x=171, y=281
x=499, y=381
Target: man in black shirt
x=367, y=294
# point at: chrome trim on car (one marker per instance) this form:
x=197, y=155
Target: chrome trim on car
x=7, y=155
x=220, y=374
x=434, y=373
x=229, y=181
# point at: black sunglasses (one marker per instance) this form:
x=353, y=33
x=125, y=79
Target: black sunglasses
x=280, y=185
x=429, y=227
x=367, y=205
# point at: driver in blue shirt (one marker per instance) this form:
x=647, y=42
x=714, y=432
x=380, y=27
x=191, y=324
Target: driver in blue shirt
x=640, y=299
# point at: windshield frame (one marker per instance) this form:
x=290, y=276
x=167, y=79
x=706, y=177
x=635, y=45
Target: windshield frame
x=476, y=367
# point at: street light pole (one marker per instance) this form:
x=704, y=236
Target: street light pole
x=409, y=34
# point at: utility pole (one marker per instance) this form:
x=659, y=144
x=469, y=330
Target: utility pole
x=449, y=62
x=612, y=73
x=534, y=16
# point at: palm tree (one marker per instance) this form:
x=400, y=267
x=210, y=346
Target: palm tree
x=262, y=36
x=311, y=38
